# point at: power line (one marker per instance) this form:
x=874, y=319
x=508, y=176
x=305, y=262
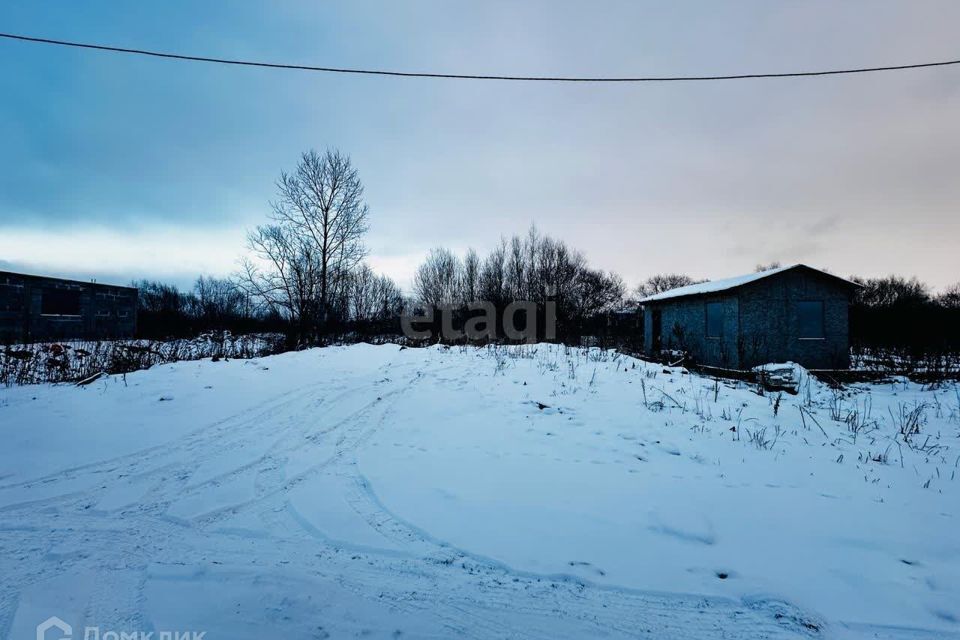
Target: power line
x=464, y=76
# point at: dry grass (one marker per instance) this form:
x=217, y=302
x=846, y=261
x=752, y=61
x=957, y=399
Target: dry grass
x=76, y=361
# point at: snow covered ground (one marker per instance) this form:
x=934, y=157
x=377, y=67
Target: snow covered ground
x=529, y=492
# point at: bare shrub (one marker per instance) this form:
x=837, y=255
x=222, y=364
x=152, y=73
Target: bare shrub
x=75, y=361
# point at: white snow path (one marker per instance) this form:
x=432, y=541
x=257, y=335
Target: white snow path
x=264, y=516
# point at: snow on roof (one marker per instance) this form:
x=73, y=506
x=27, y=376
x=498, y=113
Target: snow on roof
x=714, y=286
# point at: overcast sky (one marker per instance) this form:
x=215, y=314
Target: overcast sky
x=121, y=167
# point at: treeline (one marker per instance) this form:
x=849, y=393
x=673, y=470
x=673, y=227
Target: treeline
x=366, y=304
x=562, y=297
x=214, y=304
x=305, y=275
x=903, y=314
x=890, y=313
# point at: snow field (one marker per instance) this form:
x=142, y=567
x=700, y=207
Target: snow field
x=533, y=491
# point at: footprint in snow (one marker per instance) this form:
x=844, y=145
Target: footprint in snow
x=668, y=448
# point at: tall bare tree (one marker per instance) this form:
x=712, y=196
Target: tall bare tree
x=493, y=275
x=322, y=202
x=517, y=269
x=470, y=287
x=362, y=299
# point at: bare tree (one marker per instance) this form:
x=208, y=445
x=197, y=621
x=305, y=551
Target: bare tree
x=950, y=298
x=160, y=298
x=363, y=303
x=766, y=267
x=891, y=290
x=301, y=263
x=322, y=202
x=437, y=280
x=493, y=275
x=558, y=269
x=664, y=282
x=388, y=298
x=533, y=285
x=470, y=287
x=597, y=293
x=284, y=274
x=218, y=300
x=533, y=269
x=516, y=269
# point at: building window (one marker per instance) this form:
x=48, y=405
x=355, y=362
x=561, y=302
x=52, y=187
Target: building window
x=714, y=319
x=60, y=302
x=810, y=319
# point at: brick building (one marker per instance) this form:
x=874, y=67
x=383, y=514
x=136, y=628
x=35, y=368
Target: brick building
x=793, y=313
x=41, y=309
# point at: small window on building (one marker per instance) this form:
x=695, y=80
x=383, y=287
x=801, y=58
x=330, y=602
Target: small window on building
x=810, y=319
x=60, y=302
x=714, y=319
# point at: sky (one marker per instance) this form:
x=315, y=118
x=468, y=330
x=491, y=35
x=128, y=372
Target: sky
x=117, y=167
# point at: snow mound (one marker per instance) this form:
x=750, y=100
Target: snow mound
x=789, y=376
